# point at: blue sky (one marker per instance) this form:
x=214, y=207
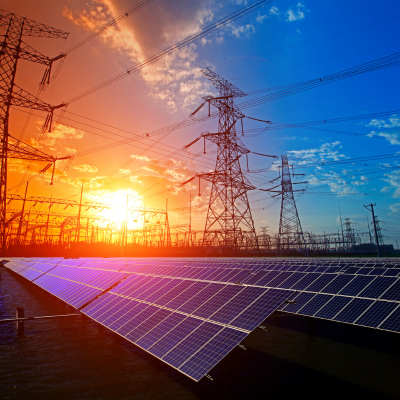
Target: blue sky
x=282, y=43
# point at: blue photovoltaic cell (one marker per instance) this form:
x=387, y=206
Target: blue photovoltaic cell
x=30, y=274
x=108, y=310
x=210, y=277
x=137, y=320
x=393, y=293
x=315, y=304
x=125, y=306
x=256, y=313
x=391, y=272
x=392, y=323
x=352, y=270
x=201, y=297
x=112, y=309
x=136, y=308
x=239, y=277
x=305, y=281
x=221, y=276
x=332, y=270
x=333, y=307
x=301, y=300
x=162, y=290
x=130, y=284
x=186, y=294
x=147, y=325
x=377, y=287
x=267, y=278
x=171, y=294
x=311, y=269
x=288, y=283
x=253, y=278
x=353, y=310
x=337, y=284
x=197, y=339
x=135, y=292
x=211, y=353
x=279, y=279
x=152, y=287
x=160, y=330
x=217, y=301
x=230, y=310
x=364, y=271
x=97, y=304
x=319, y=284
x=206, y=273
x=173, y=337
x=356, y=285
x=377, y=271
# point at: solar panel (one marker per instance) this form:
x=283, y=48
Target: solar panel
x=316, y=303
x=392, y=322
x=377, y=287
x=393, y=293
x=305, y=280
x=358, y=284
x=300, y=300
x=337, y=284
x=320, y=283
x=188, y=312
x=353, y=310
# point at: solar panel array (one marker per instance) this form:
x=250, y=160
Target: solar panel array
x=190, y=313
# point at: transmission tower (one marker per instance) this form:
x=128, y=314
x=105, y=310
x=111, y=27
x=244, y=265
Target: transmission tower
x=290, y=236
x=13, y=49
x=229, y=224
x=349, y=235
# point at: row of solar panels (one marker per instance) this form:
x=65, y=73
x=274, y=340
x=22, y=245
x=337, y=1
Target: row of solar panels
x=393, y=262
x=365, y=287
x=189, y=324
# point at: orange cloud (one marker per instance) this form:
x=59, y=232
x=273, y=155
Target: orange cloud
x=86, y=168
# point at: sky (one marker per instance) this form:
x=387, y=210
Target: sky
x=282, y=43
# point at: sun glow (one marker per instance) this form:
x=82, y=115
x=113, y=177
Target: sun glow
x=122, y=202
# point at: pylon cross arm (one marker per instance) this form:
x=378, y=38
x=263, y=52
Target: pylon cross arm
x=22, y=98
x=222, y=105
x=26, y=52
x=31, y=28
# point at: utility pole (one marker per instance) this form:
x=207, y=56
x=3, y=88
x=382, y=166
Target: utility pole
x=22, y=215
x=375, y=230
x=341, y=227
x=12, y=49
x=78, y=222
x=48, y=218
x=126, y=220
x=190, y=216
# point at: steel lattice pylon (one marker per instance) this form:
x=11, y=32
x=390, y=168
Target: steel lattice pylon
x=11, y=50
x=290, y=235
x=229, y=224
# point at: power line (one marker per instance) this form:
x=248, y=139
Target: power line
x=110, y=24
x=309, y=41
x=384, y=62
x=190, y=39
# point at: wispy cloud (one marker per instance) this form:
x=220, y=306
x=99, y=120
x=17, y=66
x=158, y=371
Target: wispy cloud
x=326, y=152
x=393, y=135
x=153, y=29
x=86, y=168
x=294, y=13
